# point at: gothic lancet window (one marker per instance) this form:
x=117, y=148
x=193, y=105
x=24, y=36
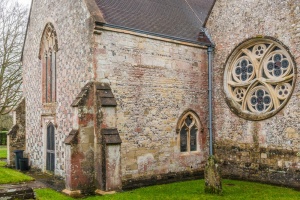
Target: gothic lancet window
x=50, y=148
x=259, y=78
x=48, y=53
x=188, y=132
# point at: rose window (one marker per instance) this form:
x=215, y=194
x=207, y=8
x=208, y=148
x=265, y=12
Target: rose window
x=259, y=79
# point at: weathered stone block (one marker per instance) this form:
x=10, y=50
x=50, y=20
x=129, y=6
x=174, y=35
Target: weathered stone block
x=213, y=180
x=16, y=192
x=278, y=135
x=263, y=155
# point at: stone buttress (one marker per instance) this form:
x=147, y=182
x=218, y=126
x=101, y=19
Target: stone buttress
x=93, y=147
x=16, y=136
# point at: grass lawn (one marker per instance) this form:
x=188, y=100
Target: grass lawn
x=11, y=176
x=3, y=152
x=191, y=190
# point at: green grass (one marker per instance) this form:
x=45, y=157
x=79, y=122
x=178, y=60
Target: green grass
x=3, y=152
x=49, y=194
x=2, y=164
x=11, y=176
x=191, y=190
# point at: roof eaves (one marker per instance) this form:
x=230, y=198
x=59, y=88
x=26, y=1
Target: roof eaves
x=204, y=36
x=198, y=42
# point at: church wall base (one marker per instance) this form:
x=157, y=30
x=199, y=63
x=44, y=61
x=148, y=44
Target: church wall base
x=266, y=165
x=162, y=179
x=101, y=192
x=72, y=193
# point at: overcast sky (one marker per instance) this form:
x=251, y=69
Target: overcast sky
x=25, y=2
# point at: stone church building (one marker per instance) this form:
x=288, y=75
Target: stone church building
x=116, y=91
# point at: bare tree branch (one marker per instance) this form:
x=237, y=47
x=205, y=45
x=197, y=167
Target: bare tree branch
x=13, y=20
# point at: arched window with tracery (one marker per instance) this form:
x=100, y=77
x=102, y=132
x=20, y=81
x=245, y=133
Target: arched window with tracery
x=48, y=54
x=188, y=128
x=259, y=78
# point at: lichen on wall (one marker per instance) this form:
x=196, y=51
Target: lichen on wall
x=71, y=21
x=264, y=150
x=154, y=82
x=16, y=135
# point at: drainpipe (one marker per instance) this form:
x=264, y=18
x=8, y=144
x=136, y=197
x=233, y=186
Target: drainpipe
x=210, y=51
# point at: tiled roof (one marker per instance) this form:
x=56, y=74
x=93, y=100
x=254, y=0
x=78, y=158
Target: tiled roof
x=179, y=19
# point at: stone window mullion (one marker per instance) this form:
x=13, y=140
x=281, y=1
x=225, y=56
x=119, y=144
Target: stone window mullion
x=189, y=140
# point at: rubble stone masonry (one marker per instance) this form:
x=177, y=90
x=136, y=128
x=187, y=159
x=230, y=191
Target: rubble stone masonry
x=154, y=82
x=256, y=150
x=16, y=135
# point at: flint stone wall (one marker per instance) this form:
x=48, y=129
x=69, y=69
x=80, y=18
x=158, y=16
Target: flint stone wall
x=153, y=81
x=72, y=23
x=263, y=150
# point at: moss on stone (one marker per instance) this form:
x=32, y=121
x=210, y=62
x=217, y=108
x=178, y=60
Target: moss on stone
x=213, y=180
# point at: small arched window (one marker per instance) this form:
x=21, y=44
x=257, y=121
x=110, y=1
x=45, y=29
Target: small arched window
x=48, y=53
x=50, y=162
x=188, y=127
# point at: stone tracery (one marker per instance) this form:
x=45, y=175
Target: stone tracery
x=259, y=79
x=188, y=132
x=48, y=51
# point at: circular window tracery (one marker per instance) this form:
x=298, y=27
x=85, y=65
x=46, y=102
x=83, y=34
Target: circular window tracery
x=259, y=78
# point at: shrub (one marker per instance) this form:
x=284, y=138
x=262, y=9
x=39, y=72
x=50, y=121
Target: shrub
x=3, y=137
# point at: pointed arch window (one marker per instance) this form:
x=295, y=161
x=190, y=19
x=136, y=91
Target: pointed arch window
x=189, y=127
x=50, y=162
x=48, y=54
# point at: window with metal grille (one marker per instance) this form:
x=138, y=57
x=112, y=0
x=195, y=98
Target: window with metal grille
x=50, y=148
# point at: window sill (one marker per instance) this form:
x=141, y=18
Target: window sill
x=52, y=104
x=189, y=153
x=49, y=108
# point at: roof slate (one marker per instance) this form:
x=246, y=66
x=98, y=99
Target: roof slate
x=179, y=19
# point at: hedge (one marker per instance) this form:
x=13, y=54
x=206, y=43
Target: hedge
x=3, y=137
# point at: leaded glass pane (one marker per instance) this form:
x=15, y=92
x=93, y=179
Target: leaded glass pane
x=46, y=77
x=183, y=139
x=193, y=138
x=48, y=137
x=48, y=167
x=50, y=148
x=188, y=120
x=50, y=77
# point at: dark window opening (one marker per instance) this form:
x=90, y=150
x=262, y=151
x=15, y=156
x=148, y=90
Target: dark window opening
x=50, y=148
